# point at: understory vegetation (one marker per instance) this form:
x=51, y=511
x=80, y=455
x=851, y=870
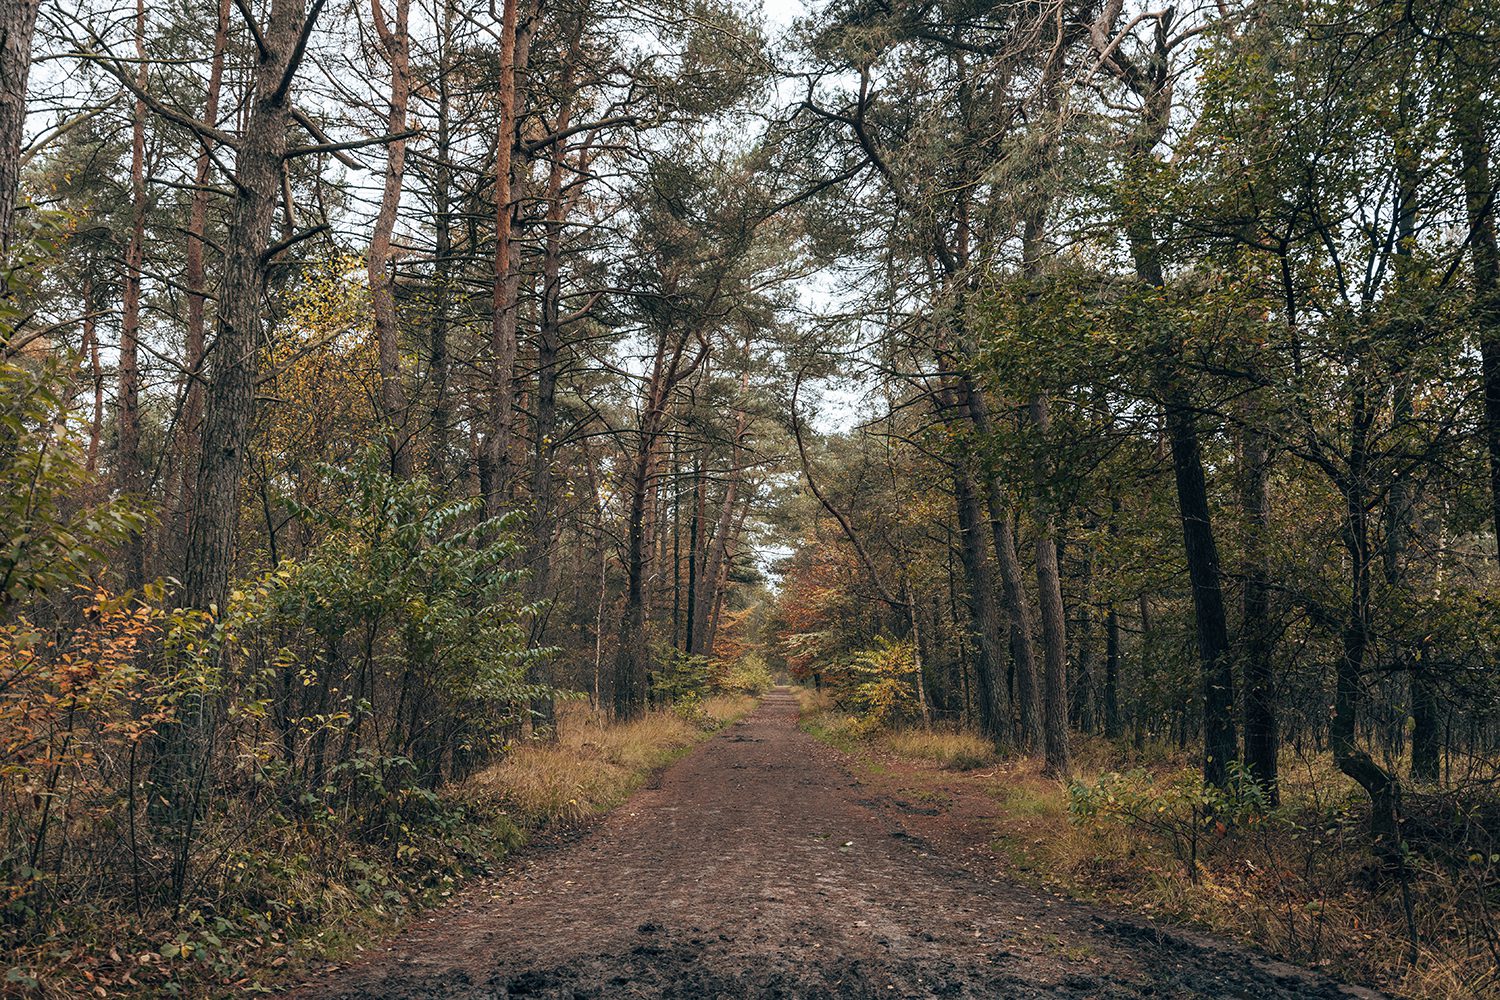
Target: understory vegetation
x=193, y=798
x=321, y=520
x=1137, y=828
x=308, y=823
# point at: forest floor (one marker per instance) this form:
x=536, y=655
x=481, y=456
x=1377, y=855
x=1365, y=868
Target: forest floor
x=760, y=866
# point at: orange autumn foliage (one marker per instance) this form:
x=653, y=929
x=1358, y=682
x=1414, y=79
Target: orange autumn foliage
x=813, y=607
x=52, y=683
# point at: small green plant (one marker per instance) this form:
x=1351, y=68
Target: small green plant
x=680, y=679
x=1181, y=811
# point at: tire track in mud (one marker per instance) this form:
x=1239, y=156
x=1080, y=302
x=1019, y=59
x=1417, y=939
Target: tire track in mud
x=757, y=868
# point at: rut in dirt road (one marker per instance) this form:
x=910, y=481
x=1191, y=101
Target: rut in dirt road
x=755, y=870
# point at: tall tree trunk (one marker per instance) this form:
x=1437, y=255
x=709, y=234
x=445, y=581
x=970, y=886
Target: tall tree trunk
x=1219, y=739
x=1049, y=579
x=1155, y=90
x=1028, y=694
x=1112, y=724
x=1382, y=787
x=712, y=570
x=437, y=356
x=548, y=346
x=979, y=579
x=17, y=25
x=193, y=278
x=505, y=291
x=696, y=538
x=1479, y=192
x=1143, y=603
x=396, y=41
x=231, y=395
x=1220, y=742
x=90, y=349
x=710, y=581
x=1083, y=710
x=923, y=647
x=1402, y=495
x=1262, y=740
x=128, y=389
x=678, y=636
x=721, y=589
x=1054, y=624
x=1426, y=717
x=242, y=285
x=1028, y=685
x=984, y=618
x=649, y=553
x=632, y=659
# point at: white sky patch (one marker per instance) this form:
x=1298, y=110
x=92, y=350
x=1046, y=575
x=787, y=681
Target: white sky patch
x=781, y=13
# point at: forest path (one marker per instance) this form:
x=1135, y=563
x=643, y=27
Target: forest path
x=758, y=868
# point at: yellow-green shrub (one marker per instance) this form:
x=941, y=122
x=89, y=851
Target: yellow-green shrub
x=747, y=675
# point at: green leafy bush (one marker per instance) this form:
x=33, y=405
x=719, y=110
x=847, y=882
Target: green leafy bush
x=53, y=536
x=680, y=679
x=243, y=774
x=1180, y=811
x=748, y=675
x=884, y=682
x=409, y=606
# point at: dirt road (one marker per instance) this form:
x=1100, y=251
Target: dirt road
x=758, y=869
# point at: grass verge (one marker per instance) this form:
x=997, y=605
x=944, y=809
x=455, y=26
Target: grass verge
x=593, y=766
x=946, y=747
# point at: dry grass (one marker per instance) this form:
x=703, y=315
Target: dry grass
x=331, y=893
x=593, y=765
x=953, y=750
x=949, y=748
x=812, y=702
x=724, y=709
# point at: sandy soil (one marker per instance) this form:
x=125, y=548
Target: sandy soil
x=759, y=867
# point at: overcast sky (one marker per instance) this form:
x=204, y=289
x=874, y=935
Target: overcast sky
x=780, y=13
